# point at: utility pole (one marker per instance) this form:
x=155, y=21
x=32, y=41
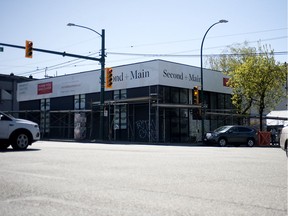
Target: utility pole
x=102, y=92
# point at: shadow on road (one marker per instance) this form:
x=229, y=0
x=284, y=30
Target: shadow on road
x=10, y=150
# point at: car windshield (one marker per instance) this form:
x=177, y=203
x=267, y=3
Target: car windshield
x=7, y=115
x=222, y=129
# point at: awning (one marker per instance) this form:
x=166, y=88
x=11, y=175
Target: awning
x=277, y=117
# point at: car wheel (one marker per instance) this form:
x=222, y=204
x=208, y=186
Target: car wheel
x=250, y=142
x=20, y=141
x=222, y=142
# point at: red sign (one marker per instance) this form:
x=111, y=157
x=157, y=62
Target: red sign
x=225, y=80
x=45, y=88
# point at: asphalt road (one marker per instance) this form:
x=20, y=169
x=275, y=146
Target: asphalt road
x=54, y=178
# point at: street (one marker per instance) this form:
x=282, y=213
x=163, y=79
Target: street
x=69, y=178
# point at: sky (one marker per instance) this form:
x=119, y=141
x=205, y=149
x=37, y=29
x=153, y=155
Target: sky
x=135, y=31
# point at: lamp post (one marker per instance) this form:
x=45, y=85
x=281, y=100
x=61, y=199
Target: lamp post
x=102, y=91
x=202, y=83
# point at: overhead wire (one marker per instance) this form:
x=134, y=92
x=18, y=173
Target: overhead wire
x=54, y=67
x=77, y=61
x=195, y=55
x=193, y=39
x=177, y=54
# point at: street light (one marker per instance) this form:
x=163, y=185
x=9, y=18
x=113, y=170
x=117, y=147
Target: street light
x=102, y=61
x=202, y=83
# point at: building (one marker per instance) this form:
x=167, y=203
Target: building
x=149, y=101
x=8, y=91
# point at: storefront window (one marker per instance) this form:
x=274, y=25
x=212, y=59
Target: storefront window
x=221, y=101
x=184, y=96
x=175, y=95
x=120, y=111
x=166, y=94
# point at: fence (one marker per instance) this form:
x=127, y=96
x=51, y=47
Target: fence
x=70, y=124
x=84, y=125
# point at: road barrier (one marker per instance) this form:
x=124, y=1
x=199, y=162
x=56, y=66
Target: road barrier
x=264, y=138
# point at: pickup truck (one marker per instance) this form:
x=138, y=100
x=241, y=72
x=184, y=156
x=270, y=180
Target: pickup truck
x=284, y=139
x=19, y=133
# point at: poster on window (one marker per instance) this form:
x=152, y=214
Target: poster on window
x=79, y=126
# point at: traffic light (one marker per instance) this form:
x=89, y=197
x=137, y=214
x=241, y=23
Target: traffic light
x=195, y=95
x=28, y=49
x=109, y=77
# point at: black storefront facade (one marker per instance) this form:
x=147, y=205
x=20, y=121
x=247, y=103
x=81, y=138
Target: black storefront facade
x=149, y=102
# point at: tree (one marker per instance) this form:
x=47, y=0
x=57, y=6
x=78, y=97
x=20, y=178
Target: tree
x=256, y=78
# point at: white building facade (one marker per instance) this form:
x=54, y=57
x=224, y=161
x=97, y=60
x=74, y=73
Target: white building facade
x=149, y=102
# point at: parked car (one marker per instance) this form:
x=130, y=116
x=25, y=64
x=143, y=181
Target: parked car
x=232, y=134
x=284, y=139
x=17, y=132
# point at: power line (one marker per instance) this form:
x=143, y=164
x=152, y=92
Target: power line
x=54, y=67
x=179, y=55
x=77, y=61
x=196, y=55
x=193, y=39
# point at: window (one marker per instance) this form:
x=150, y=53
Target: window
x=244, y=130
x=184, y=96
x=174, y=95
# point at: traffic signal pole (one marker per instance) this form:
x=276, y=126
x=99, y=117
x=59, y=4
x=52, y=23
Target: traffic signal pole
x=54, y=52
x=101, y=60
x=102, y=91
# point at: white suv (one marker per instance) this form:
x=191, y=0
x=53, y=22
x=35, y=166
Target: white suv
x=17, y=132
x=284, y=139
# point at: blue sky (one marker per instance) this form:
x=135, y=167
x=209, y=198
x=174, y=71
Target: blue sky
x=140, y=27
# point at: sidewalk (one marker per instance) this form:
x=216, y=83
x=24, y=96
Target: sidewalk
x=124, y=142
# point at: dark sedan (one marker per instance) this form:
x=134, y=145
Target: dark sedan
x=232, y=134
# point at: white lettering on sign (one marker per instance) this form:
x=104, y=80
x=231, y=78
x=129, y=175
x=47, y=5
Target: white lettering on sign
x=45, y=88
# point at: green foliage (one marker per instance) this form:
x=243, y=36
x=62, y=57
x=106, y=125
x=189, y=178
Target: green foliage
x=256, y=78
